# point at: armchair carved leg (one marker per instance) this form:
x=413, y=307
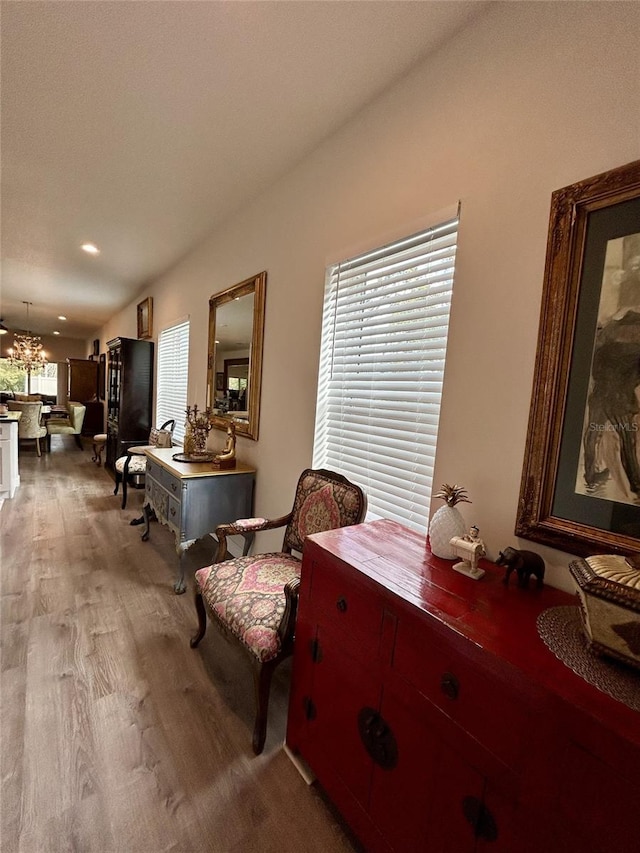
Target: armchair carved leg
x=262, y=673
x=202, y=621
x=78, y=439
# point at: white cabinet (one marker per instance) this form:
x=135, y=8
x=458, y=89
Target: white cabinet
x=9, y=475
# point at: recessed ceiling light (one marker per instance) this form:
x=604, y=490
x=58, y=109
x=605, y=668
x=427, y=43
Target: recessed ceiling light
x=61, y=317
x=90, y=249
x=56, y=333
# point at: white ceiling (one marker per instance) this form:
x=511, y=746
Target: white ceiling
x=140, y=125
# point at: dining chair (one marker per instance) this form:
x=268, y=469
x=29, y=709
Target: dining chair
x=30, y=427
x=130, y=468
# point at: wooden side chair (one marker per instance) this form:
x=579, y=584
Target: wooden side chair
x=131, y=468
x=254, y=599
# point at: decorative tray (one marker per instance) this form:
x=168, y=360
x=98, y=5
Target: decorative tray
x=184, y=457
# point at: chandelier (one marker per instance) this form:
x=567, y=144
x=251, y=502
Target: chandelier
x=27, y=353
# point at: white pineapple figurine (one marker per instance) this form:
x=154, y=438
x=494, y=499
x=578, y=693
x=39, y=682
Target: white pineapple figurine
x=447, y=522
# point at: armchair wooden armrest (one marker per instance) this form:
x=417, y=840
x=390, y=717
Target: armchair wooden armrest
x=243, y=526
x=285, y=629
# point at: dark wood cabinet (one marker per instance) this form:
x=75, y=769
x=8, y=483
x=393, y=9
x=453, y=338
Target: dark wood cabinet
x=435, y=717
x=83, y=380
x=129, y=395
x=83, y=388
x=93, y=418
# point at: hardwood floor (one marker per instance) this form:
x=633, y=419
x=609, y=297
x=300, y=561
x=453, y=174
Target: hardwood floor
x=116, y=736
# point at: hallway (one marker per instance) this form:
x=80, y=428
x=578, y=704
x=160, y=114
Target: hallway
x=116, y=736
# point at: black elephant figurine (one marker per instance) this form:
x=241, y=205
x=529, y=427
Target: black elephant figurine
x=525, y=563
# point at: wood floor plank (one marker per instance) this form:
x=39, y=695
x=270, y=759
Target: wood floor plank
x=12, y=705
x=117, y=737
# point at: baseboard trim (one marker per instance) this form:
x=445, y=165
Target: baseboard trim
x=301, y=766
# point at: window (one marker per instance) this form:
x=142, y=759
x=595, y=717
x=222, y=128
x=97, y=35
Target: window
x=46, y=382
x=384, y=339
x=14, y=379
x=173, y=375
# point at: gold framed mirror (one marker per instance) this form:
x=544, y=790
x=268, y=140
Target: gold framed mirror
x=234, y=363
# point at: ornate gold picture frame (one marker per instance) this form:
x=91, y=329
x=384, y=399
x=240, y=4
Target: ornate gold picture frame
x=580, y=488
x=145, y=318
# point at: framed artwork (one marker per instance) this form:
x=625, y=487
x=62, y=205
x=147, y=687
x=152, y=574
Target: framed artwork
x=145, y=318
x=96, y=347
x=580, y=488
x=219, y=381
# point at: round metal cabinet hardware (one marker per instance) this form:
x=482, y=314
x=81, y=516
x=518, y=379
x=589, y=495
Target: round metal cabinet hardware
x=449, y=685
x=480, y=819
x=377, y=738
x=341, y=604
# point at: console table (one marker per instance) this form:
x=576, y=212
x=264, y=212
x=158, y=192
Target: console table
x=435, y=717
x=192, y=499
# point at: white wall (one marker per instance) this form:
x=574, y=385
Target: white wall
x=60, y=349
x=532, y=97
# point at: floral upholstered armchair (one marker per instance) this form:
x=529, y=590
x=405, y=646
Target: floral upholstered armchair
x=254, y=598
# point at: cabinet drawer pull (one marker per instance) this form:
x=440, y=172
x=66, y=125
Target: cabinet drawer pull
x=341, y=604
x=309, y=707
x=173, y=511
x=315, y=651
x=174, y=487
x=482, y=821
x=449, y=685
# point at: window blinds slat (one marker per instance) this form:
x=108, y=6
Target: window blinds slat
x=173, y=375
x=384, y=339
x=400, y=248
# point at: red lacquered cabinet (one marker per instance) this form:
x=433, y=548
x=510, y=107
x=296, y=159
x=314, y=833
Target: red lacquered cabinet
x=437, y=720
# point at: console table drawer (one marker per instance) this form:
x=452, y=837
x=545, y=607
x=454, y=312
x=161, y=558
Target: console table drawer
x=153, y=470
x=158, y=496
x=163, y=477
x=174, y=514
x=171, y=484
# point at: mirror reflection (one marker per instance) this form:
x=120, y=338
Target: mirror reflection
x=236, y=319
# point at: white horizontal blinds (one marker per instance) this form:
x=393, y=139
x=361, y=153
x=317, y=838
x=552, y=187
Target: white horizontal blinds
x=173, y=375
x=384, y=340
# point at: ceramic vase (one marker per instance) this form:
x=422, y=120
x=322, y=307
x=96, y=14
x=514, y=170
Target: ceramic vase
x=446, y=523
